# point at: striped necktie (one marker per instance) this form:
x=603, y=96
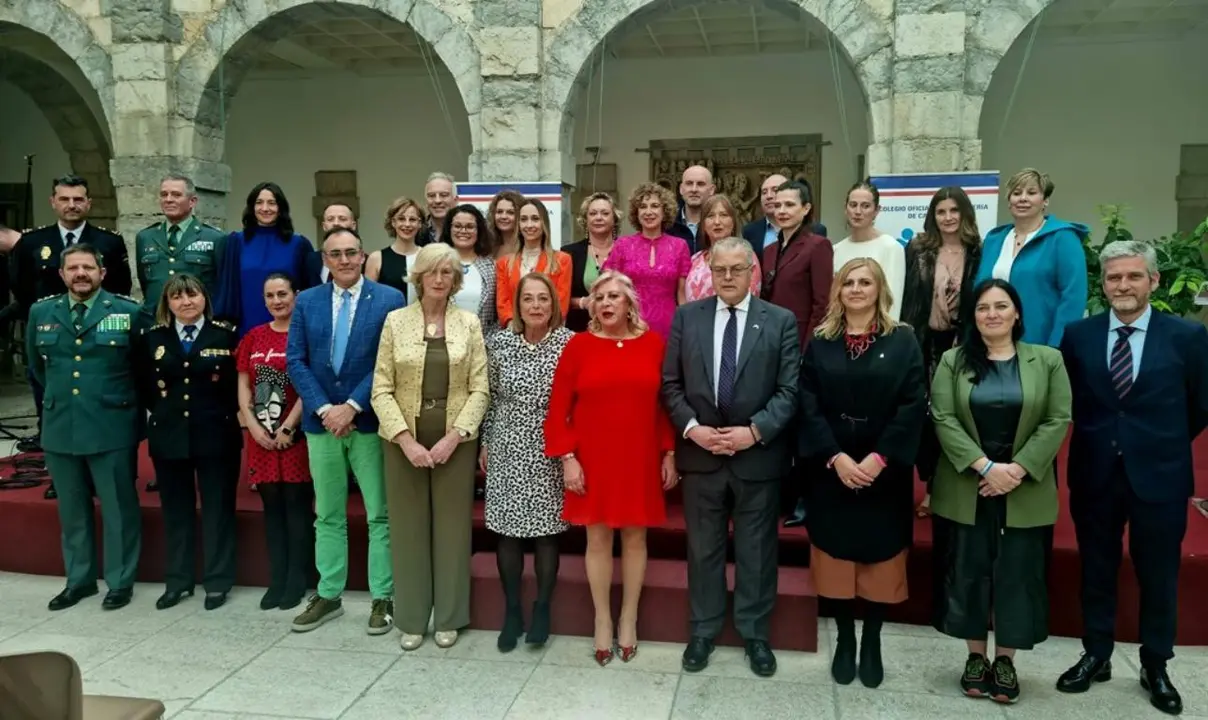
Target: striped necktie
x=1121, y=367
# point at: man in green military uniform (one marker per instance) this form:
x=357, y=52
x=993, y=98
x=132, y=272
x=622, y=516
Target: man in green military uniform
x=80, y=350
x=181, y=243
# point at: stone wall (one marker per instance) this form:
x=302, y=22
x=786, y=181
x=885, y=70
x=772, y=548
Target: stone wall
x=165, y=71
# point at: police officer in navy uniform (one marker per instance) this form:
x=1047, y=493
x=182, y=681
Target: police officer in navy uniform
x=79, y=348
x=190, y=385
x=34, y=262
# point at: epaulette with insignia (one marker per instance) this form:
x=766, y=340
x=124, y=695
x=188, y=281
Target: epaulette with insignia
x=224, y=325
x=125, y=297
x=49, y=297
x=153, y=328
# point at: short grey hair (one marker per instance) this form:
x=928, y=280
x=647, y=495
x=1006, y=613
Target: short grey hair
x=190, y=186
x=1129, y=248
x=732, y=244
x=442, y=176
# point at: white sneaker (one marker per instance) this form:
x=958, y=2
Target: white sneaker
x=446, y=638
x=411, y=642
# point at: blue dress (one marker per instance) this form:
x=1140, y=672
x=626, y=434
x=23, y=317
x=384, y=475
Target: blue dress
x=248, y=261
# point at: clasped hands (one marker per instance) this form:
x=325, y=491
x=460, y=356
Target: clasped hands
x=722, y=441
x=1001, y=479
x=422, y=457
x=856, y=475
x=339, y=419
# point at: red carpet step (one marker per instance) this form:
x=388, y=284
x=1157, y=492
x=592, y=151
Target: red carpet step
x=663, y=610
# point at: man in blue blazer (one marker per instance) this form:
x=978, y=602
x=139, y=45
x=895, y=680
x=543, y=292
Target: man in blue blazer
x=1140, y=385
x=330, y=357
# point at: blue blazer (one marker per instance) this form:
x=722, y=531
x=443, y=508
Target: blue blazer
x=308, y=352
x=1153, y=427
x=1050, y=275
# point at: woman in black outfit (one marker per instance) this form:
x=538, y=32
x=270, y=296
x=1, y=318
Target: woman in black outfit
x=600, y=219
x=941, y=264
x=189, y=384
x=390, y=265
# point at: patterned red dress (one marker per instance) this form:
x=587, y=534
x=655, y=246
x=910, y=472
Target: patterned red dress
x=261, y=354
x=605, y=408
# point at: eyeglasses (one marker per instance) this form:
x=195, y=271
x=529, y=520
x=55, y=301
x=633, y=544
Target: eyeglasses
x=465, y=228
x=734, y=271
x=337, y=254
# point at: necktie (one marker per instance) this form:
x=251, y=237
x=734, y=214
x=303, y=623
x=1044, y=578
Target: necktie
x=343, y=325
x=1121, y=367
x=173, y=236
x=79, y=309
x=70, y=238
x=729, y=363
x=188, y=341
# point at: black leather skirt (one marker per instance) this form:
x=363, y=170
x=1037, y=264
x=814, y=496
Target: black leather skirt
x=989, y=574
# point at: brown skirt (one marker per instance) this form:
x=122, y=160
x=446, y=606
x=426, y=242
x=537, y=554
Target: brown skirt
x=883, y=582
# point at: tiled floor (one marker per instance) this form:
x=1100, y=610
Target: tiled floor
x=240, y=662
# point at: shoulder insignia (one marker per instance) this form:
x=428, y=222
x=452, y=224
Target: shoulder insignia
x=49, y=297
x=223, y=324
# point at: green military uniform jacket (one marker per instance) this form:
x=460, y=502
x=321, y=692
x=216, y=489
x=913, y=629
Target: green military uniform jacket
x=197, y=250
x=1043, y=422
x=91, y=401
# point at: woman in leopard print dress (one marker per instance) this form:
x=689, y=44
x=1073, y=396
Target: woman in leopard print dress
x=524, y=487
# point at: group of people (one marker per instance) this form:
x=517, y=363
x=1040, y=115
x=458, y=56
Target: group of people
x=589, y=380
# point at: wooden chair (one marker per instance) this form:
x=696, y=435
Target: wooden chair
x=48, y=686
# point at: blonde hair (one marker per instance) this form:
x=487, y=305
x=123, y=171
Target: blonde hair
x=581, y=218
x=431, y=257
x=665, y=196
x=636, y=323
x=1031, y=176
x=703, y=240
x=181, y=283
x=398, y=207
x=516, y=324
x=834, y=323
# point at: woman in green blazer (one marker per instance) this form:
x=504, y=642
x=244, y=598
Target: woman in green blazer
x=1001, y=409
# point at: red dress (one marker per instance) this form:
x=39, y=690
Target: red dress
x=605, y=408
x=261, y=354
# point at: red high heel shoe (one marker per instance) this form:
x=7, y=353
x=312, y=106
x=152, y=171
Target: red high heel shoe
x=628, y=652
x=603, y=657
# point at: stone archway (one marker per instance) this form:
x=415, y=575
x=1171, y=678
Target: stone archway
x=994, y=30
x=54, y=58
x=863, y=31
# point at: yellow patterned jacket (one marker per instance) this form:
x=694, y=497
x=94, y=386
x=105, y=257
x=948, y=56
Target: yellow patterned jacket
x=399, y=373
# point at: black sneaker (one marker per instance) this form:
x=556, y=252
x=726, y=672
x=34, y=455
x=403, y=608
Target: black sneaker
x=976, y=681
x=1004, y=683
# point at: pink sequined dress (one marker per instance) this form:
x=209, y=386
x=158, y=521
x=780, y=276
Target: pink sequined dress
x=656, y=284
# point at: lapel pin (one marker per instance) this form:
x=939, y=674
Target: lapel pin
x=754, y=327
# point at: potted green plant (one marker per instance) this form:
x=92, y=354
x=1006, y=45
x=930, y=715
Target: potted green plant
x=1181, y=264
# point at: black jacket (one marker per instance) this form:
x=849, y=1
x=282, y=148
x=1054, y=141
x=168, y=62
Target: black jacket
x=193, y=397
x=34, y=263
x=917, y=296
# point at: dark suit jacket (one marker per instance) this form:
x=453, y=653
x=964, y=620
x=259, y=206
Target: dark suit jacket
x=193, y=396
x=308, y=352
x=801, y=279
x=1153, y=427
x=34, y=264
x=756, y=230
x=765, y=391
x=577, y=319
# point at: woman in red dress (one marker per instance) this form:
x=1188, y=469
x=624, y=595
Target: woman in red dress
x=276, y=457
x=607, y=425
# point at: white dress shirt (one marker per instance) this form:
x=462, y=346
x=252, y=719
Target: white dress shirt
x=1136, y=341
x=720, y=318
x=1006, y=257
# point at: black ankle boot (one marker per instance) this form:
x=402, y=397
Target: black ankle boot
x=872, y=672
x=843, y=667
x=513, y=628
x=538, y=633
x=271, y=599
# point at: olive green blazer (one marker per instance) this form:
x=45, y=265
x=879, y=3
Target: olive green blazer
x=1043, y=423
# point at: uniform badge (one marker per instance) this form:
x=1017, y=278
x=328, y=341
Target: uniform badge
x=45, y=252
x=159, y=355
x=161, y=383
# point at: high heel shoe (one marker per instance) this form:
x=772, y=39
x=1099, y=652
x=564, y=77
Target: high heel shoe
x=603, y=657
x=628, y=652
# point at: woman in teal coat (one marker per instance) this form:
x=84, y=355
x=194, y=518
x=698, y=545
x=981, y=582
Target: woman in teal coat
x=1001, y=409
x=1041, y=256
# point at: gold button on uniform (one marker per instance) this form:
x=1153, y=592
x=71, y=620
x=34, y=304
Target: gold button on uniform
x=186, y=381
x=171, y=272
x=186, y=413
x=77, y=358
x=186, y=397
x=75, y=391
x=76, y=373
x=79, y=341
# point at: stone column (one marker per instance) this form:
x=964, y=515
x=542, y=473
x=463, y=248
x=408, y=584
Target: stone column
x=931, y=120
x=507, y=131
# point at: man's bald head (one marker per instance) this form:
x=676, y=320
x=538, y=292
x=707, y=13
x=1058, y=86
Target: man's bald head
x=696, y=185
x=767, y=193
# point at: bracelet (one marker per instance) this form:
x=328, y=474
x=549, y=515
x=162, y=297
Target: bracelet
x=986, y=469
x=880, y=459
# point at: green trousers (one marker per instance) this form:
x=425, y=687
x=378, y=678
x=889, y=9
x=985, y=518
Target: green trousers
x=330, y=458
x=113, y=475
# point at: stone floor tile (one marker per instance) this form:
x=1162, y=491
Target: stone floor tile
x=731, y=698
x=476, y=645
x=209, y=715
x=434, y=689
x=557, y=693
x=88, y=652
x=303, y=683
x=137, y=620
x=860, y=703
x=791, y=666
x=577, y=652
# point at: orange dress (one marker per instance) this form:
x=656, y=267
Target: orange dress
x=507, y=278
x=605, y=408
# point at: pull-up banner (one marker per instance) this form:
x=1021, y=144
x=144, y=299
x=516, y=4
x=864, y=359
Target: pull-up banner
x=549, y=193
x=905, y=199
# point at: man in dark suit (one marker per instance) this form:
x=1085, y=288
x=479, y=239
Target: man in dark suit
x=696, y=186
x=763, y=232
x=730, y=387
x=34, y=263
x=1140, y=385
x=335, y=215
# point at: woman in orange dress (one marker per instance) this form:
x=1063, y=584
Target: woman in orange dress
x=536, y=253
x=607, y=425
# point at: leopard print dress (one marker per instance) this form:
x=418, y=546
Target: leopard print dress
x=524, y=488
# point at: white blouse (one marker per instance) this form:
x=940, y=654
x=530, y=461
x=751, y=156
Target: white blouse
x=470, y=295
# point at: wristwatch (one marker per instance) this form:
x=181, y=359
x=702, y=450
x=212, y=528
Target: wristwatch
x=463, y=433
x=287, y=430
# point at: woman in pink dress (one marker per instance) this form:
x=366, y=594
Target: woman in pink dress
x=718, y=222
x=657, y=263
